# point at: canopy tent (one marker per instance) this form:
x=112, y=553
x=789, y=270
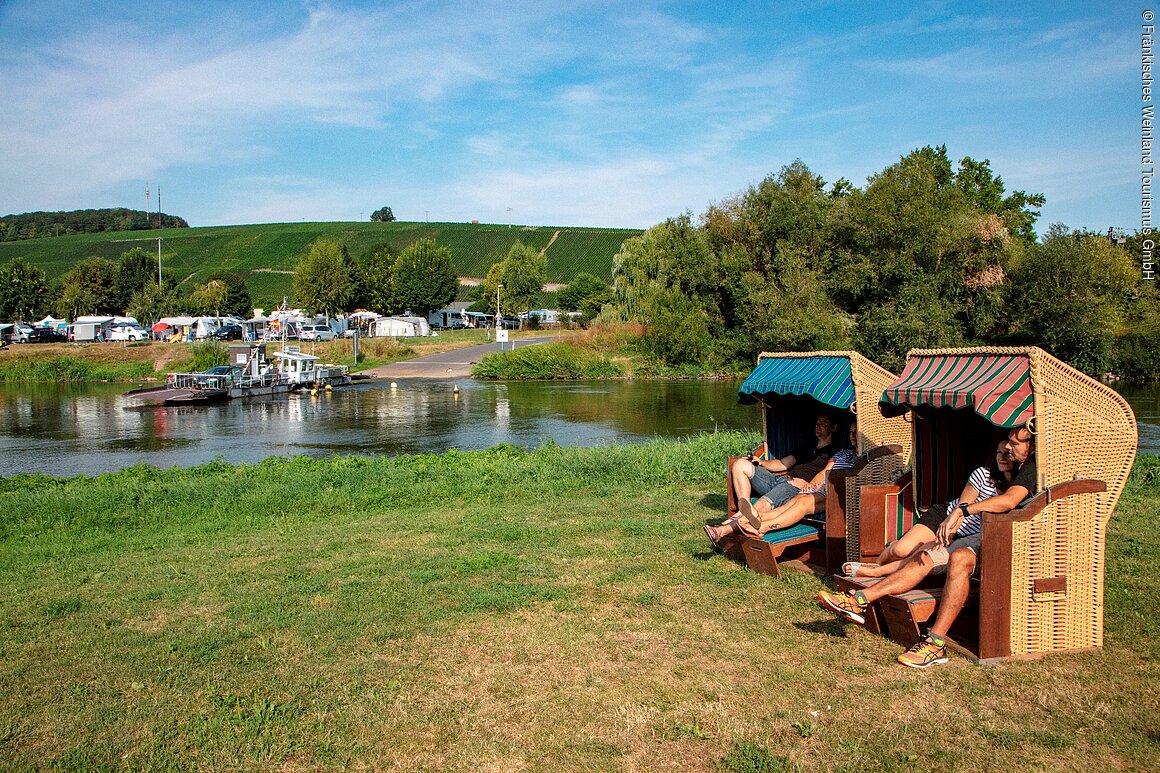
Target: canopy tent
x=996, y=386
x=49, y=321
x=827, y=379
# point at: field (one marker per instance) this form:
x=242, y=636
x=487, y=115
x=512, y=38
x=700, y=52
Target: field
x=265, y=254
x=556, y=610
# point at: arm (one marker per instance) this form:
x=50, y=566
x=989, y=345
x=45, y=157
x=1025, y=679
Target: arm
x=946, y=530
x=778, y=465
x=1003, y=503
x=815, y=482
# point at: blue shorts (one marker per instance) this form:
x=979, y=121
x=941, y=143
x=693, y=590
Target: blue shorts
x=776, y=489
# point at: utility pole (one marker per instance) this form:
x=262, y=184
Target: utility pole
x=158, y=262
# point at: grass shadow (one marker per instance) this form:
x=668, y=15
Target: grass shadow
x=835, y=628
x=715, y=501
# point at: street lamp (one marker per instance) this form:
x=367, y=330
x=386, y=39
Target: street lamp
x=498, y=317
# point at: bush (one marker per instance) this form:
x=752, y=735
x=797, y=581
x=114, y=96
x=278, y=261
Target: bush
x=546, y=362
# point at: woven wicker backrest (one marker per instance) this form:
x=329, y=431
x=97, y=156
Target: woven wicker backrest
x=1083, y=429
x=874, y=430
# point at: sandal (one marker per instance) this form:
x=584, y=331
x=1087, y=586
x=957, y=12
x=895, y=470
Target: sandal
x=714, y=538
x=850, y=568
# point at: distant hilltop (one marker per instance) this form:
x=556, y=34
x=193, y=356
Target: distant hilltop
x=265, y=255
x=38, y=225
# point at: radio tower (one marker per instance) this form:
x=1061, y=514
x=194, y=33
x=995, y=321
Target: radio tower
x=146, y=204
x=158, y=206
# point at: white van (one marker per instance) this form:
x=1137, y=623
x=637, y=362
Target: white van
x=316, y=333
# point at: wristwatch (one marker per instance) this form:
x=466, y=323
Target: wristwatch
x=966, y=512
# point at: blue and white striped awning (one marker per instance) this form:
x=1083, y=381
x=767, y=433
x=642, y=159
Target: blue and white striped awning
x=826, y=379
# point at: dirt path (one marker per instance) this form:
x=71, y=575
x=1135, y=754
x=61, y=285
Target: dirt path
x=454, y=364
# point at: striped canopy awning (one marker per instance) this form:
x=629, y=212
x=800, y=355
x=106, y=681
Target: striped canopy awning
x=826, y=379
x=997, y=387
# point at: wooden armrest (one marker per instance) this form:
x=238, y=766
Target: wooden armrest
x=864, y=460
x=1044, y=498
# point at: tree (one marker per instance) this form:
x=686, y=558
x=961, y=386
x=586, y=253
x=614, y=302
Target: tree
x=423, y=277
x=237, y=301
x=89, y=288
x=322, y=278
x=23, y=291
x=522, y=274
x=210, y=297
x=582, y=286
x=1070, y=295
x=384, y=215
x=372, y=280
x=135, y=269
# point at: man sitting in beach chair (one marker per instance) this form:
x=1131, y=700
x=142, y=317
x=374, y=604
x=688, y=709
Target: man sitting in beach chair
x=796, y=497
x=957, y=555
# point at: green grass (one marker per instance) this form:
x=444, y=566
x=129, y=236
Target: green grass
x=546, y=361
x=501, y=610
x=262, y=253
x=72, y=370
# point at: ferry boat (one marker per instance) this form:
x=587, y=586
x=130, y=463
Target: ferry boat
x=250, y=374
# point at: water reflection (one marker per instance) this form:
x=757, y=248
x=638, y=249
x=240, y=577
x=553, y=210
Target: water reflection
x=62, y=430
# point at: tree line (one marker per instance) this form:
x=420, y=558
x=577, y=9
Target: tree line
x=35, y=225
x=421, y=278
x=128, y=285
x=928, y=254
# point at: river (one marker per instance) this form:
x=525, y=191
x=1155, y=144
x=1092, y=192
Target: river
x=92, y=429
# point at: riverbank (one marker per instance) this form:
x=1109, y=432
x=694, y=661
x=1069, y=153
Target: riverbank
x=551, y=610
x=151, y=360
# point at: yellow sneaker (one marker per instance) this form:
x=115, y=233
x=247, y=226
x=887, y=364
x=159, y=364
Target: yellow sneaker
x=851, y=606
x=930, y=650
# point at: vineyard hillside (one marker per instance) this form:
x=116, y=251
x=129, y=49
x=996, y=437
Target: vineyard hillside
x=265, y=254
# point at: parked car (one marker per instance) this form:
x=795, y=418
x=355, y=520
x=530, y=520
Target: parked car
x=218, y=376
x=128, y=333
x=46, y=335
x=20, y=331
x=316, y=333
x=227, y=333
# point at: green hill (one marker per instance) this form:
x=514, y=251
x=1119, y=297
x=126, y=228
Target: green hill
x=265, y=254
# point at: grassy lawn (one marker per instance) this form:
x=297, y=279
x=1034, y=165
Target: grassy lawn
x=496, y=611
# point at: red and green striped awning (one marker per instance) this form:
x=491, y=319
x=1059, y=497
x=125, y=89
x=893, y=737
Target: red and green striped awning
x=997, y=387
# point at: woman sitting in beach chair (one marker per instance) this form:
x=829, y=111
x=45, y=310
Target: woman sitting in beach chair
x=943, y=523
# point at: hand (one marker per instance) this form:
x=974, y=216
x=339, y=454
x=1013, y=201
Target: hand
x=798, y=483
x=946, y=530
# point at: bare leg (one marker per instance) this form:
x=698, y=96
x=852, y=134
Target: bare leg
x=742, y=472
x=958, y=585
x=904, y=547
x=793, y=511
x=906, y=577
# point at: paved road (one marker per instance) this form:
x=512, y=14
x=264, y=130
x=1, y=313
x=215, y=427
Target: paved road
x=456, y=364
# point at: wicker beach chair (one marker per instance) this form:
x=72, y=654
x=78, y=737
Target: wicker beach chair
x=792, y=387
x=1040, y=579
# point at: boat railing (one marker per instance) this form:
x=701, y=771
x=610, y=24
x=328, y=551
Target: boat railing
x=198, y=381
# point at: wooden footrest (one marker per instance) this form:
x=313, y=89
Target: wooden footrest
x=906, y=613
x=761, y=553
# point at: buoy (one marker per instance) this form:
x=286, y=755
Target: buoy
x=457, y=389
x=329, y=387
x=394, y=386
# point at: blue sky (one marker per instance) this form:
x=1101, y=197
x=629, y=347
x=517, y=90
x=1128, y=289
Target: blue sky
x=552, y=113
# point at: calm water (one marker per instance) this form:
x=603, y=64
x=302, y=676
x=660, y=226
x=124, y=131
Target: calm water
x=93, y=429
